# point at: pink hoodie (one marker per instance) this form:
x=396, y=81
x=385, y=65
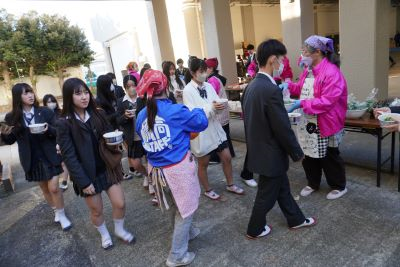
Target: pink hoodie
x=330, y=97
x=252, y=69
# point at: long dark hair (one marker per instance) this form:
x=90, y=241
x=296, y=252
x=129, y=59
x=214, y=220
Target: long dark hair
x=167, y=65
x=17, y=105
x=75, y=85
x=105, y=96
x=53, y=99
x=151, y=105
x=188, y=75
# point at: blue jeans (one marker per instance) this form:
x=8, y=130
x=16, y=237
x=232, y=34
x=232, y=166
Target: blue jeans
x=180, y=237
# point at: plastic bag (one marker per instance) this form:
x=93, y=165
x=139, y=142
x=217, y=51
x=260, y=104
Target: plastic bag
x=354, y=104
x=395, y=103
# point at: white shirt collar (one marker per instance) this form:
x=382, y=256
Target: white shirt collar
x=269, y=76
x=196, y=85
x=127, y=98
x=32, y=111
x=87, y=117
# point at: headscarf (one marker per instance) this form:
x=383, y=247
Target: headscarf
x=152, y=83
x=212, y=62
x=322, y=43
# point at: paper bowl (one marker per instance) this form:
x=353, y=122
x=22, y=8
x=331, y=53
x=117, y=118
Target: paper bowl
x=223, y=101
x=387, y=119
x=355, y=114
x=294, y=117
x=113, y=138
x=37, y=128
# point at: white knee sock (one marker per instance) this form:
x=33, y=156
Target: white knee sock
x=119, y=227
x=65, y=223
x=103, y=230
x=56, y=219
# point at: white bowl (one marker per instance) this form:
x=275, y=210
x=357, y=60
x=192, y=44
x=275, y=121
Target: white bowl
x=383, y=119
x=113, y=138
x=222, y=100
x=37, y=128
x=294, y=117
x=355, y=114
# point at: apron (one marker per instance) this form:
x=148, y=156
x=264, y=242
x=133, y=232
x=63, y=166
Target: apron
x=310, y=139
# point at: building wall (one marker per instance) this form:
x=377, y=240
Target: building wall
x=267, y=23
x=237, y=26
x=45, y=85
x=327, y=20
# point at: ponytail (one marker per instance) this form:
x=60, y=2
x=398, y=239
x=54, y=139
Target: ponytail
x=333, y=58
x=151, y=112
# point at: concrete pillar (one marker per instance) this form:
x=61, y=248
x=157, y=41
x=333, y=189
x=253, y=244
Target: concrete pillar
x=364, y=45
x=219, y=36
x=107, y=57
x=160, y=32
x=194, y=28
x=248, y=25
x=297, y=24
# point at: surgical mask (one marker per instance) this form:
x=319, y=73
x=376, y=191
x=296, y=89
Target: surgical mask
x=202, y=77
x=112, y=87
x=278, y=72
x=172, y=77
x=52, y=106
x=132, y=90
x=305, y=61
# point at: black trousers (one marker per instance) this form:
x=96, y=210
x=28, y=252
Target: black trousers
x=214, y=156
x=246, y=174
x=333, y=167
x=270, y=190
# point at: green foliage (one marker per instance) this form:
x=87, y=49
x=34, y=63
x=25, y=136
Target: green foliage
x=47, y=44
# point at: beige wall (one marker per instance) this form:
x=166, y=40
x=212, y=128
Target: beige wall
x=267, y=23
x=45, y=85
x=392, y=21
x=327, y=20
x=237, y=26
x=365, y=66
x=248, y=24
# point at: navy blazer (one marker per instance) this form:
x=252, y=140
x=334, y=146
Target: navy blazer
x=269, y=136
x=20, y=134
x=77, y=150
x=127, y=125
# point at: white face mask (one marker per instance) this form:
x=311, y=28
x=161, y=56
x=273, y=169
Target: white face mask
x=52, y=106
x=114, y=81
x=305, y=61
x=202, y=77
x=172, y=77
x=278, y=72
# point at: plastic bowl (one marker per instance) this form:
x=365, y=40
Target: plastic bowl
x=383, y=119
x=37, y=128
x=113, y=138
x=355, y=114
x=294, y=117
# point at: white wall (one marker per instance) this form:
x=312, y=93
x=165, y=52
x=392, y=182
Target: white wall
x=122, y=52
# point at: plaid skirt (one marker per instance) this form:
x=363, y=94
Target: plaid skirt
x=43, y=171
